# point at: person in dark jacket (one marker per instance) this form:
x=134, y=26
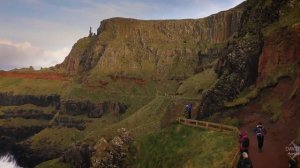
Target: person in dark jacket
x=244, y=161
x=190, y=110
x=260, y=135
x=293, y=163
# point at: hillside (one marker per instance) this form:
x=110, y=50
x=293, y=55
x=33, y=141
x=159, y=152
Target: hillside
x=236, y=67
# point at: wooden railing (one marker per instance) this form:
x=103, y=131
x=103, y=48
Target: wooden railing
x=215, y=127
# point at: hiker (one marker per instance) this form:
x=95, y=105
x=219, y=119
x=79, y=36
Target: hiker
x=244, y=161
x=186, y=111
x=244, y=142
x=260, y=135
x=292, y=163
x=190, y=110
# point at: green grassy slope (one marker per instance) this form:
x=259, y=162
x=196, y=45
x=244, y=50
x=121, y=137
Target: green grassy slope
x=182, y=146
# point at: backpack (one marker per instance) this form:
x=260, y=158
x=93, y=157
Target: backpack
x=246, y=142
x=260, y=131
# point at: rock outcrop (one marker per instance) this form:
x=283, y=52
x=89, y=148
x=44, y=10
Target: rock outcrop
x=112, y=154
x=78, y=155
x=63, y=121
x=104, y=154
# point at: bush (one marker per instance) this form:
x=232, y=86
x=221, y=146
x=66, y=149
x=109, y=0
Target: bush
x=231, y=121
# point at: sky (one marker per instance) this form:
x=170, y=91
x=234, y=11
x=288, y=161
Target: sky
x=41, y=33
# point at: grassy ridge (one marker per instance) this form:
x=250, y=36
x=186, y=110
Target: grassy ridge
x=182, y=146
x=194, y=85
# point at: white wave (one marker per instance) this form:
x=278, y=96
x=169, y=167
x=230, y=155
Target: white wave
x=8, y=161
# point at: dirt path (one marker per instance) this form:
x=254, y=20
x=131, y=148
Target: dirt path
x=277, y=138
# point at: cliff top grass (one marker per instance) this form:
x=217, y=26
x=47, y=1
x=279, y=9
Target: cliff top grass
x=182, y=146
x=21, y=122
x=31, y=86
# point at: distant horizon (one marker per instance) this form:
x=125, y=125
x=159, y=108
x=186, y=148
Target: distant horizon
x=41, y=33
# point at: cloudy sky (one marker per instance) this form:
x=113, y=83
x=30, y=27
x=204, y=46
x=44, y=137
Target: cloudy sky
x=41, y=32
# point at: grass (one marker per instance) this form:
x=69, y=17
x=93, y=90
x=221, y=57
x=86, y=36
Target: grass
x=194, y=85
x=31, y=86
x=243, y=98
x=291, y=16
x=53, y=163
x=182, y=146
x=59, y=138
x=153, y=111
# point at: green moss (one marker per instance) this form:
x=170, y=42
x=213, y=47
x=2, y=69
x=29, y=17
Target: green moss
x=182, y=146
x=53, y=163
x=243, y=98
x=290, y=17
x=194, y=85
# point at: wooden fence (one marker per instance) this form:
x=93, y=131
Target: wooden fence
x=215, y=127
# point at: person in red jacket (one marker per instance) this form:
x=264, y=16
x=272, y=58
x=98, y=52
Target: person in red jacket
x=244, y=142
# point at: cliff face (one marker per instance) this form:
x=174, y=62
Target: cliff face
x=237, y=67
x=154, y=48
x=281, y=51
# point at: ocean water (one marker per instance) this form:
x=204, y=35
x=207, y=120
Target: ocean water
x=8, y=161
